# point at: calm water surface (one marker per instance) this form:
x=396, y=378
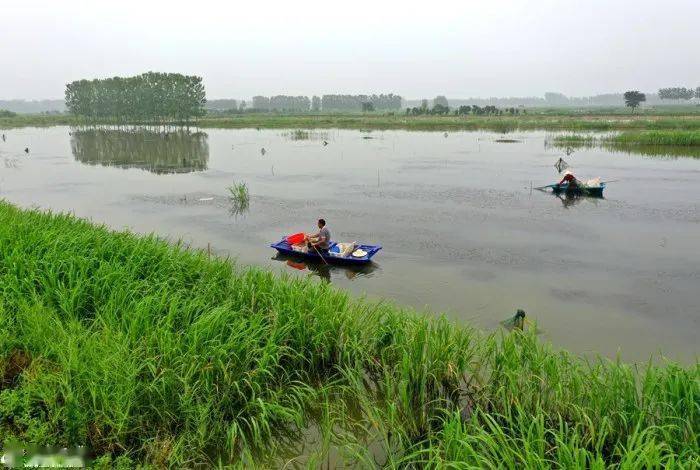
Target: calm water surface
x=463, y=233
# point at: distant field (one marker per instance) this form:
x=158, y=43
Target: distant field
x=538, y=119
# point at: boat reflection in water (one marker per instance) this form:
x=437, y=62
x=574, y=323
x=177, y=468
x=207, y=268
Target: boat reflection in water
x=570, y=200
x=158, y=152
x=325, y=271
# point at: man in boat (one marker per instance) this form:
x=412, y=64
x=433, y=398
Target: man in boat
x=573, y=183
x=320, y=241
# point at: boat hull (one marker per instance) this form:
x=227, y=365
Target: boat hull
x=579, y=191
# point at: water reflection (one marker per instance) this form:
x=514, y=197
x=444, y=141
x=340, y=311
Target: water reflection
x=325, y=271
x=304, y=134
x=570, y=200
x=161, y=153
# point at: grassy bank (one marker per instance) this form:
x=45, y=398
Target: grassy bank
x=150, y=352
x=531, y=121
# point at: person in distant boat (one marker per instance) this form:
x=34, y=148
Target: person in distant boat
x=321, y=240
x=571, y=180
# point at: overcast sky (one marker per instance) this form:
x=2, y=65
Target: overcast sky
x=468, y=48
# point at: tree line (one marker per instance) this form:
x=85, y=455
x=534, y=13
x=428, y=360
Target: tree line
x=380, y=102
x=441, y=108
x=150, y=98
x=679, y=93
x=281, y=103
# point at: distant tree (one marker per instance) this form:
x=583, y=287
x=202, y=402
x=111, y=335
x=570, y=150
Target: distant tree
x=697, y=92
x=243, y=105
x=7, y=114
x=424, y=104
x=367, y=107
x=634, y=98
x=440, y=100
x=315, y=103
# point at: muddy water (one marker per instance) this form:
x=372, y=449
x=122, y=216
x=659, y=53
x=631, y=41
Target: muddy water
x=463, y=233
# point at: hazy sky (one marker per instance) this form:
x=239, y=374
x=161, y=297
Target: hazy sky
x=465, y=48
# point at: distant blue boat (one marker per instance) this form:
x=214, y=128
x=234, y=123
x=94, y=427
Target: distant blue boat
x=333, y=255
x=596, y=191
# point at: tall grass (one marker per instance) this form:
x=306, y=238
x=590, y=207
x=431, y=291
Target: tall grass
x=152, y=353
x=644, y=138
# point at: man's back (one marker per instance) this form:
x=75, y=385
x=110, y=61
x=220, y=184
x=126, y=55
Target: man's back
x=326, y=235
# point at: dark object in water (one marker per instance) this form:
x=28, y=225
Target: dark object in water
x=284, y=247
x=507, y=141
x=325, y=143
x=561, y=165
x=26, y=150
x=517, y=321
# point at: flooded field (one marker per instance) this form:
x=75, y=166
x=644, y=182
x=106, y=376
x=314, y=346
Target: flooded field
x=462, y=230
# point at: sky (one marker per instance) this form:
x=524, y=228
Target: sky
x=461, y=49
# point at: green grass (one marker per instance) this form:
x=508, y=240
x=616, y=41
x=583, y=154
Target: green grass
x=153, y=353
x=586, y=120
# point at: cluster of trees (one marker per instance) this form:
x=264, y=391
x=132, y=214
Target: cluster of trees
x=441, y=109
x=221, y=105
x=489, y=110
x=325, y=103
x=355, y=102
x=4, y=113
x=281, y=103
x=679, y=93
x=152, y=97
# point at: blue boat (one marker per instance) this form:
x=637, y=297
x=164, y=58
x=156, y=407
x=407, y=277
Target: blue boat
x=589, y=191
x=333, y=255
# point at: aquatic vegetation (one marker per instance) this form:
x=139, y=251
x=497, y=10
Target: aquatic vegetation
x=153, y=353
x=674, y=143
x=240, y=199
x=661, y=137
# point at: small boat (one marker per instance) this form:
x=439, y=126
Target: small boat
x=362, y=254
x=589, y=191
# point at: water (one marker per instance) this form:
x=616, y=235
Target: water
x=463, y=233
